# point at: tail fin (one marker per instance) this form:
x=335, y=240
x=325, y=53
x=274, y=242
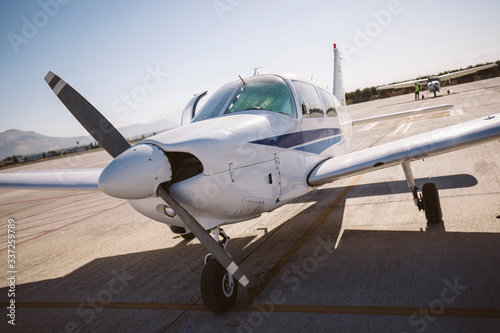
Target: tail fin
x=338, y=78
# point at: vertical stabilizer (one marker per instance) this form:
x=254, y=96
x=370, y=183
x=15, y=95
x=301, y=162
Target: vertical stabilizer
x=338, y=78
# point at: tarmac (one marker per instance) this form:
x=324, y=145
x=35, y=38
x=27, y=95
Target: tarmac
x=355, y=255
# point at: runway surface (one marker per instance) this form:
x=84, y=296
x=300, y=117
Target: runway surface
x=355, y=255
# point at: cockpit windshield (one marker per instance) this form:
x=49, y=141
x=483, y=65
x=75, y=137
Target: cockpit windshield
x=269, y=93
x=212, y=108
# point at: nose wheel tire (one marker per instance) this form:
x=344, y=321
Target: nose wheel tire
x=218, y=289
x=432, y=206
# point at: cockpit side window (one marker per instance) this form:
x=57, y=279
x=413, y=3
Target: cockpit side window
x=328, y=103
x=309, y=99
x=269, y=93
x=213, y=107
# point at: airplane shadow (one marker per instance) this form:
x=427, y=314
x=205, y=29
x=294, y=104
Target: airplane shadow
x=158, y=275
x=381, y=267
x=401, y=187
x=367, y=268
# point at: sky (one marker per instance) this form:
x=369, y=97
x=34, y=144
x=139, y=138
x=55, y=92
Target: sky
x=141, y=61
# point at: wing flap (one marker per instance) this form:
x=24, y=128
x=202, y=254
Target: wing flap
x=409, y=149
x=52, y=180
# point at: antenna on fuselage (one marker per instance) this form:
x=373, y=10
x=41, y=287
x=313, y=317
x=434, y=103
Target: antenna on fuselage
x=256, y=70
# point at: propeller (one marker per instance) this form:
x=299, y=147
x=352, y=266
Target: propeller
x=137, y=172
x=94, y=122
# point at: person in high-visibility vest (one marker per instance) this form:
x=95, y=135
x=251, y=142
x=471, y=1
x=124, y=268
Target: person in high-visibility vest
x=417, y=92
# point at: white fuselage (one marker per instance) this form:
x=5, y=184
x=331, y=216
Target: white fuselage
x=253, y=160
x=434, y=85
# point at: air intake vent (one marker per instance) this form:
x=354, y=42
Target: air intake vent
x=250, y=207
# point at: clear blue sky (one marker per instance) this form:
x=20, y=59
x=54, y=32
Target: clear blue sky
x=107, y=50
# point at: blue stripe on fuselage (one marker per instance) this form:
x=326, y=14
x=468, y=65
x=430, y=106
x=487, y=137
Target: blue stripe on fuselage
x=298, y=138
x=320, y=146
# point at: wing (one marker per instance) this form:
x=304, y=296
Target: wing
x=413, y=148
x=403, y=114
x=405, y=84
x=84, y=179
x=454, y=75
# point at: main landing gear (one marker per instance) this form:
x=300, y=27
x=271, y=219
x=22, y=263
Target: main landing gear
x=428, y=200
x=218, y=288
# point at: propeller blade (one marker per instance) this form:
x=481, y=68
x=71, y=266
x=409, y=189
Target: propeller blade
x=204, y=237
x=93, y=121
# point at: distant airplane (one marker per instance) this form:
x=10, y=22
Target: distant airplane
x=256, y=144
x=433, y=83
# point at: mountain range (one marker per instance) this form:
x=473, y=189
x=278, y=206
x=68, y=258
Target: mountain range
x=17, y=142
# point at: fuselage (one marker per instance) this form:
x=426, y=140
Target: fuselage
x=434, y=84
x=249, y=149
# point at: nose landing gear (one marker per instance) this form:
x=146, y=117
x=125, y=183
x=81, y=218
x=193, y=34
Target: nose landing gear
x=218, y=288
x=220, y=277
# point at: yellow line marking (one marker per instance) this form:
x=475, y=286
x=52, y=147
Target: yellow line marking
x=109, y=305
x=379, y=310
x=283, y=308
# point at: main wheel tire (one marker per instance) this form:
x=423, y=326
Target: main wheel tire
x=218, y=294
x=432, y=206
x=188, y=236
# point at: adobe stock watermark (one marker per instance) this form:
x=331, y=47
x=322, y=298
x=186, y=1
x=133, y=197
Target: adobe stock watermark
x=363, y=36
x=89, y=310
x=292, y=278
x=437, y=306
x=225, y=6
x=31, y=26
x=139, y=93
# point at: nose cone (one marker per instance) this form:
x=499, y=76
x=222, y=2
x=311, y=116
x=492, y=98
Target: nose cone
x=136, y=173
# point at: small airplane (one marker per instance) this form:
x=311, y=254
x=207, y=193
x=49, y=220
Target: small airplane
x=255, y=145
x=434, y=83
